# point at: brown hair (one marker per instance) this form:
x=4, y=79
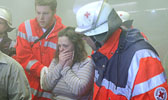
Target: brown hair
x=79, y=45
x=51, y=3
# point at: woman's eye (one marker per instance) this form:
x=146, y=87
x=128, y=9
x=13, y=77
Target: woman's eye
x=65, y=45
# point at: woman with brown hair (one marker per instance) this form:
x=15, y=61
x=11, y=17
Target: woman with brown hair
x=70, y=74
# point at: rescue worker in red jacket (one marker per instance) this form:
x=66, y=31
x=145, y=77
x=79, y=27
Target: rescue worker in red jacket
x=127, y=66
x=36, y=44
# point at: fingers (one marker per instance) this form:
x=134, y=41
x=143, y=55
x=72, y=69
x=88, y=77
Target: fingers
x=68, y=62
x=67, y=51
x=66, y=57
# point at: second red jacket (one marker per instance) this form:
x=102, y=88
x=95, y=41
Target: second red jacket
x=33, y=59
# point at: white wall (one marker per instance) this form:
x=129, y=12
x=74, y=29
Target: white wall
x=21, y=10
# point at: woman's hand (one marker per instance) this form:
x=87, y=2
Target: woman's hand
x=66, y=58
x=69, y=61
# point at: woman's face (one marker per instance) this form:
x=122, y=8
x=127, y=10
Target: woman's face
x=65, y=44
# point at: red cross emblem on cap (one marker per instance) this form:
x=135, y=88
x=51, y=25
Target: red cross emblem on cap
x=87, y=14
x=121, y=15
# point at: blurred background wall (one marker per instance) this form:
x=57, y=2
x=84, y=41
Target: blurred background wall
x=150, y=16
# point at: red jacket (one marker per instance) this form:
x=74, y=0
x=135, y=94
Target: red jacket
x=145, y=78
x=33, y=59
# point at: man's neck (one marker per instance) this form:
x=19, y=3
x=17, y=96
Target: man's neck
x=52, y=22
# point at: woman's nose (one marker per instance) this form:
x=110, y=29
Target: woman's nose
x=61, y=48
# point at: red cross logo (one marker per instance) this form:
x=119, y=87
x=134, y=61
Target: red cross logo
x=161, y=94
x=121, y=15
x=87, y=14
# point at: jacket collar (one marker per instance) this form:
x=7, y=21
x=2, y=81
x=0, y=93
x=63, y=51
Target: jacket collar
x=111, y=45
x=2, y=59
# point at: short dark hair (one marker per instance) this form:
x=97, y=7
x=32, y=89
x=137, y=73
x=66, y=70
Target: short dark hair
x=51, y=3
x=79, y=45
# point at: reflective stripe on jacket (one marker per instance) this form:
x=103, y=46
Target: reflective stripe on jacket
x=33, y=59
x=128, y=68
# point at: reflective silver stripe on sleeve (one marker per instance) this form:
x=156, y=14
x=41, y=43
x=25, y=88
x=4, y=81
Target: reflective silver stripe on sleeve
x=30, y=64
x=30, y=39
x=30, y=36
x=22, y=35
x=119, y=91
x=147, y=86
x=41, y=94
x=28, y=28
x=50, y=44
x=132, y=72
x=134, y=66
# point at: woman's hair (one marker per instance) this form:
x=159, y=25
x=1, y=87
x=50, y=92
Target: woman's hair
x=51, y=3
x=80, y=53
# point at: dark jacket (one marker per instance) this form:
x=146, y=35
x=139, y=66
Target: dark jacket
x=5, y=46
x=131, y=71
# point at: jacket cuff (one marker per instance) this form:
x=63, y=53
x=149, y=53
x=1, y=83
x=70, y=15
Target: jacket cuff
x=44, y=71
x=39, y=70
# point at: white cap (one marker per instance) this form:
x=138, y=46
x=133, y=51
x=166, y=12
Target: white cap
x=6, y=15
x=124, y=15
x=88, y=21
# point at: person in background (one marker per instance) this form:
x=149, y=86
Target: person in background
x=126, y=66
x=37, y=43
x=70, y=75
x=14, y=84
x=125, y=16
x=6, y=44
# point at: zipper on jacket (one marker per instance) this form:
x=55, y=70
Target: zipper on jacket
x=118, y=60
